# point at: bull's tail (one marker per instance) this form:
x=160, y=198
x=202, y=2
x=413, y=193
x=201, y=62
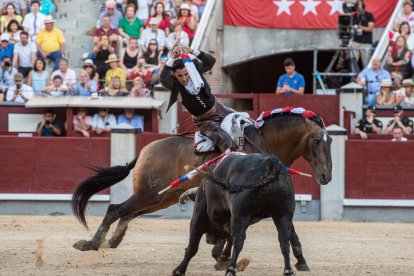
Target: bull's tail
x=104, y=178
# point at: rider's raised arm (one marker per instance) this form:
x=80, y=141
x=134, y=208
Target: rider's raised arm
x=206, y=62
x=166, y=77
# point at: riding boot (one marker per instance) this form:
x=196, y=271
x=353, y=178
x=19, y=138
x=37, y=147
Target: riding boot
x=220, y=138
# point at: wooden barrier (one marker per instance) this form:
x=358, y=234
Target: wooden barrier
x=49, y=165
x=379, y=170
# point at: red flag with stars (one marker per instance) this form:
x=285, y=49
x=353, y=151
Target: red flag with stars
x=298, y=14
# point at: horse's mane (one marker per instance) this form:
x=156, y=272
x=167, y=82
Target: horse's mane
x=280, y=112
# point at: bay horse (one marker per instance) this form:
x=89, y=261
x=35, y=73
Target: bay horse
x=288, y=136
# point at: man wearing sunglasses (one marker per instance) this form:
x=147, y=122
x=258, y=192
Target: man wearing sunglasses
x=292, y=82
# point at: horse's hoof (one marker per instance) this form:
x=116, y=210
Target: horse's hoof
x=288, y=272
x=231, y=271
x=302, y=267
x=221, y=264
x=177, y=273
x=243, y=264
x=84, y=245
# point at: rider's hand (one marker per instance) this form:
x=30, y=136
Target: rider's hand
x=176, y=52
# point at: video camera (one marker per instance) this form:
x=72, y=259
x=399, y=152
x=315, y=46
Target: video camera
x=349, y=7
x=345, y=31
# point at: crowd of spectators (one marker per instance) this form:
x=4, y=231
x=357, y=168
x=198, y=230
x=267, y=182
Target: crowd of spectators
x=131, y=41
x=393, y=84
x=131, y=44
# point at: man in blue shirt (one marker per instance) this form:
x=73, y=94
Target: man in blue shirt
x=130, y=118
x=292, y=82
x=371, y=77
x=6, y=48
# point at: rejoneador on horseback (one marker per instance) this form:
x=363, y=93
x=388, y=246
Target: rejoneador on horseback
x=183, y=77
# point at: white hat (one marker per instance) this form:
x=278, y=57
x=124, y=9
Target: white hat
x=4, y=36
x=49, y=19
x=185, y=6
x=89, y=62
x=154, y=21
x=387, y=83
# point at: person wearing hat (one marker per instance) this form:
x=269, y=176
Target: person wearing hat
x=90, y=68
x=19, y=92
x=369, y=124
x=386, y=96
x=6, y=48
x=195, y=94
x=114, y=71
x=153, y=33
x=371, y=78
x=34, y=21
x=187, y=20
x=50, y=42
x=130, y=25
x=407, y=93
x=405, y=123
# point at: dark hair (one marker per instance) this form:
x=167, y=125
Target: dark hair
x=13, y=21
x=11, y=4
x=148, y=52
x=35, y=2
x=24, y=33
x=163, y=10
x=51, y=111
x=405, y=23
x=42, y=61
x=178, y=64
x=57, y=77
x=288, y=62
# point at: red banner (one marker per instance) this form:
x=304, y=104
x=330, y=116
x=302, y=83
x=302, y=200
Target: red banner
x=298, y=14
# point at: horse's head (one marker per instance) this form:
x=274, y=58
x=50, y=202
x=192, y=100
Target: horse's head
x=318, y=151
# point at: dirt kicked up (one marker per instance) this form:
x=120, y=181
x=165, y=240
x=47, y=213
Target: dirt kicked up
x=42, y=245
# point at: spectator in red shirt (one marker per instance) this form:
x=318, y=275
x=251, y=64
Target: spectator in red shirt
x=106, y=29
x=160, y=14
x=187, y=20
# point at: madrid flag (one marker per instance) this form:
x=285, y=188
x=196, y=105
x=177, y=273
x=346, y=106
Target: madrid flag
x=298, y=14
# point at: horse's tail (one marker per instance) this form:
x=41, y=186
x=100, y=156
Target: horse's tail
x=104, y=178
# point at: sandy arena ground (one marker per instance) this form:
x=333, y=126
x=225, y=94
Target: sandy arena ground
x=42, y=245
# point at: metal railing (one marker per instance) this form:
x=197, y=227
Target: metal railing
x=383, y=43
x=202, y=25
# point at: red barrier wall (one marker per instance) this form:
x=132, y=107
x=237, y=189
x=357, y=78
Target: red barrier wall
x=49, y=165
x=379, y=170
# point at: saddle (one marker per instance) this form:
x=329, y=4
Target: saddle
x=233, y=124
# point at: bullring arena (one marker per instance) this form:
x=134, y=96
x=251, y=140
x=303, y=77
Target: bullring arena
x=361, y=223
x=42, y=245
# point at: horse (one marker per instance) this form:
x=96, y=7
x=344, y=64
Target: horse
x=287, y=135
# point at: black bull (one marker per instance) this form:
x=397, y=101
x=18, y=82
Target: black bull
x=243, y=190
